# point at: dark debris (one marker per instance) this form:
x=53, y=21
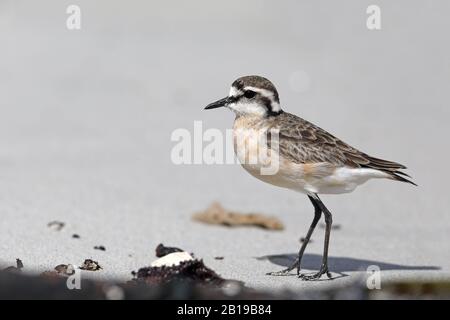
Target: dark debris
x=18, y=267
x=162, y=251
x=61, y=270
x=90, y=265
x=186, y=271
x=65, y=269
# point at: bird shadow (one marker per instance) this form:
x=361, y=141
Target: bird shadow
x=339, y=264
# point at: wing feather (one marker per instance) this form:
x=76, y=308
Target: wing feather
x=303, y=142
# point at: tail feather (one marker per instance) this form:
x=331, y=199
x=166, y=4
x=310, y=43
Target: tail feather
x=389, y=167
x=385, y=163
x=403, y=174
x=396, y=175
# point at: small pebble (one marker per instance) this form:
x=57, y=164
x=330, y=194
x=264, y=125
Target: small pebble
x=56, y=225
x=65, y=269
x=90, y=265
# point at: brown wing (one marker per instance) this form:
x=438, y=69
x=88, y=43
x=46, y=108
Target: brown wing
x=303, y=142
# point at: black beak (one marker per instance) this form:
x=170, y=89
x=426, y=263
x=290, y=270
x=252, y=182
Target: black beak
x=219, y=103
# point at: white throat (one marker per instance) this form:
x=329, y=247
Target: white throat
x=252, y=108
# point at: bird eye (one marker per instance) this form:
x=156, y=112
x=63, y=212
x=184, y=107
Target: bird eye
x=249, y=94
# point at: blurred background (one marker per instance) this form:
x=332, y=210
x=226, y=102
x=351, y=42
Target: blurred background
x=86, y=118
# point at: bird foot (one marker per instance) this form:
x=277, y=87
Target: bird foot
x=316, y=276
x=285, y=272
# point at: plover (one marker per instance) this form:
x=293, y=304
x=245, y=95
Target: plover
x=311, y=160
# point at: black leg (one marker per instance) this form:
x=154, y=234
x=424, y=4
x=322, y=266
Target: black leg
x=298, y=260
x=328, y=222
x=317, y=214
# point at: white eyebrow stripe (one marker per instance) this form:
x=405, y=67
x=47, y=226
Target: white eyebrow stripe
x=268, y=94
x=264, y=92
x=234, y=92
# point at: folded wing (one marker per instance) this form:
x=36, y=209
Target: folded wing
x=304, y=142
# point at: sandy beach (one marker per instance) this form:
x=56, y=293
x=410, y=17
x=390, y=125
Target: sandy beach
x=87, y=117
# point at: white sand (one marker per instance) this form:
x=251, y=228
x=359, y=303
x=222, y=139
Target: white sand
x=86, y=118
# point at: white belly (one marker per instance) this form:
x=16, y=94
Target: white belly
x=298, y=178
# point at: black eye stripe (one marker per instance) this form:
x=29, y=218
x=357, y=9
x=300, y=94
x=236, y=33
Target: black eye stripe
x=233, y=99
x=267, y=103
